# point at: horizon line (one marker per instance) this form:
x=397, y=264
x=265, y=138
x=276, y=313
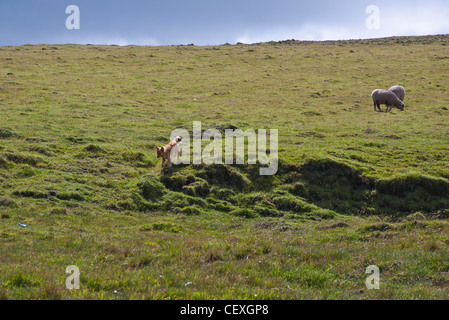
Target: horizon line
x=227, y=43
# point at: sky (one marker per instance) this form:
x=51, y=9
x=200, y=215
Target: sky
x=215, y=22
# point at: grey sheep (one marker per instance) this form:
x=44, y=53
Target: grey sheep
x=399, y=91
x=387, y=98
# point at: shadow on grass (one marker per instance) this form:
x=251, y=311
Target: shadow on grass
x=321, y=186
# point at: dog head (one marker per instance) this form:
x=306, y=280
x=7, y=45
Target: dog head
x=178, y=139
x=160, y=151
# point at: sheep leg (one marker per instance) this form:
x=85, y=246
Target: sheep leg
x=376, y=105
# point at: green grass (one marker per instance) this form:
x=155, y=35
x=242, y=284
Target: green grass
x=78, y=131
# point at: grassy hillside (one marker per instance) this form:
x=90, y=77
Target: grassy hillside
x=78, y=131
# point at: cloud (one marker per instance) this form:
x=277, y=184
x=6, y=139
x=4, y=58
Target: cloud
x=120, y=41
x=431, y=18
x=395, y=20
x=106, y=39
x=307, y=32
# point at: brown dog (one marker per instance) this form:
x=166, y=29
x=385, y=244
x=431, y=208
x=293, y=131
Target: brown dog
x=165, y=151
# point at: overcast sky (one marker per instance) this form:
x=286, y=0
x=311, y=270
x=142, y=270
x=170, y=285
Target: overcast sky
x=213, y=22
